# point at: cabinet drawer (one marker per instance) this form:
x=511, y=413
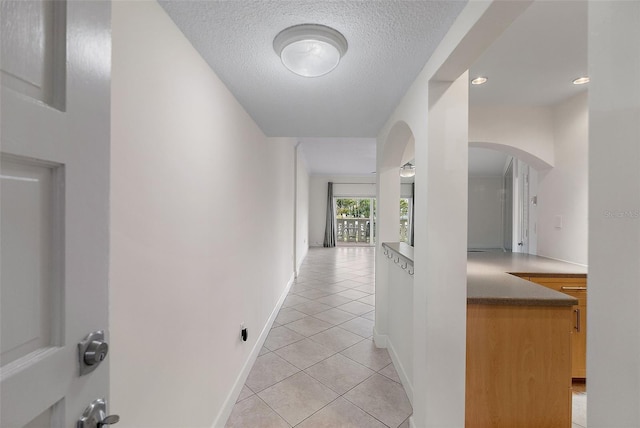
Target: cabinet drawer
x=574, y=287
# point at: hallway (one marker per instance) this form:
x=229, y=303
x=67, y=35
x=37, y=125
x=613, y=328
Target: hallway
x=319, y=366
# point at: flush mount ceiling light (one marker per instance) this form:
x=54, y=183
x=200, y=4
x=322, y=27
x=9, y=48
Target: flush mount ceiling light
x=407, y=170
x=310, y=50
x=479, y=80
x=581, y=80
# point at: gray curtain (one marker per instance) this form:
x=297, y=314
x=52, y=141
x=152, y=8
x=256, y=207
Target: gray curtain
x=330, y=229
x=413, y=210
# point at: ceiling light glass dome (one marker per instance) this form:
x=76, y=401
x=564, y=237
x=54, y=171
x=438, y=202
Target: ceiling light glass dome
x=310, y=50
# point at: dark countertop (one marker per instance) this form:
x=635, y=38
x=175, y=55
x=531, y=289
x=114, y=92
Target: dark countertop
x=489, y=281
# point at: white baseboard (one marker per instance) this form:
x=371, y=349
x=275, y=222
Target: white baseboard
x=304, y=255
x=227, y=408
x=402, y=373
x=412, y=424
x=379, y=339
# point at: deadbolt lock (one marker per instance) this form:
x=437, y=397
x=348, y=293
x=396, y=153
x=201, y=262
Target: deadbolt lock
x=92, y=351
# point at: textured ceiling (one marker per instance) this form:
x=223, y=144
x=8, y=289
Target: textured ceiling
x=389, y=43
x=532, y=63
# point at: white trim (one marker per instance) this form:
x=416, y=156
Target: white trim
x=299, y=263
x=380, y=340
x=562, y=260
x=406, y=383
x=232, y=397
x=412, y=424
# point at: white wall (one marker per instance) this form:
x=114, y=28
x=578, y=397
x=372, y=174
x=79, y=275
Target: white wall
x=196, y=249
x=356, y=186
x=613, y=342
x=400, y=324
x=523, y=132
x=485, y=212
x=302, y=209
x=563, y=190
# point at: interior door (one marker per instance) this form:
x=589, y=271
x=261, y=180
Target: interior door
x=54, y=189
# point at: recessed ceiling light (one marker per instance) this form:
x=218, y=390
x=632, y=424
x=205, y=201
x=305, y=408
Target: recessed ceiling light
x=479, y=81
x=581, y=80
x=310, y=50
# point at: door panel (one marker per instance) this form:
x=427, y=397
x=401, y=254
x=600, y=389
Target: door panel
x=30, y=307
x=54, y=206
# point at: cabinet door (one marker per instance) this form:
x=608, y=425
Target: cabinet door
x=574, y=287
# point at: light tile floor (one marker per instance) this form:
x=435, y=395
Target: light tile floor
x=319, y=366
x=579, y=416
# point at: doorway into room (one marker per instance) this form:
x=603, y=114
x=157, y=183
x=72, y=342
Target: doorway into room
x=355, y=221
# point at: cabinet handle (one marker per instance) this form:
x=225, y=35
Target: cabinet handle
x=573, y=288
x=577, y=326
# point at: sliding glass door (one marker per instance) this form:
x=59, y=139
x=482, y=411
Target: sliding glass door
x=355, y=221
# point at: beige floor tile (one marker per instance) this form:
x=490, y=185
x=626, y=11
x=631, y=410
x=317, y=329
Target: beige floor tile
x=365, y=278
x=390, y=372
x=287, y=315
x=281, y=336
x=349, y=283
x=297, y=397
x=253, y=412
x=305, y=353
x=370, y=315
x=333, y=300
x=292, y=300
x=405, y=424
x=334, y=316
x=382, y=398
x=367, y=354
x=370, y=289
x=369, y=300
x=312, y=307
x=263, y=351
x=245, y=393
x=356, y=308
x=579, y=409
x=336, y=339
x=268, y=370
x=360, y=326
x=309, y=326
x=331, y=288
x=339, y=373
x=315, y=293
x=343, y=414
x=353, y=294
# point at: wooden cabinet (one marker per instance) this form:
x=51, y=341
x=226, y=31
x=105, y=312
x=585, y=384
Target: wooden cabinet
x=518, y=366
x=574, y=287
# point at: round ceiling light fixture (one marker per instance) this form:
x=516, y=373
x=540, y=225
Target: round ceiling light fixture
x=407, y=170
x=479, y=80
x=581, y=80
x=310, y=50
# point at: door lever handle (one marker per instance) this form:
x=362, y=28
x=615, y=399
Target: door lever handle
x=95, y=415
x=109, y=420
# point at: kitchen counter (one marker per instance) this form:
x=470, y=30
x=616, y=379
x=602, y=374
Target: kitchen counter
x=489, y=281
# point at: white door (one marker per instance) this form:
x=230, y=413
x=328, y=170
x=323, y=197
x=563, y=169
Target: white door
x=55, y=106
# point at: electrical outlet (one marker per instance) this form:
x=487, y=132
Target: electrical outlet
x=244, y=334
